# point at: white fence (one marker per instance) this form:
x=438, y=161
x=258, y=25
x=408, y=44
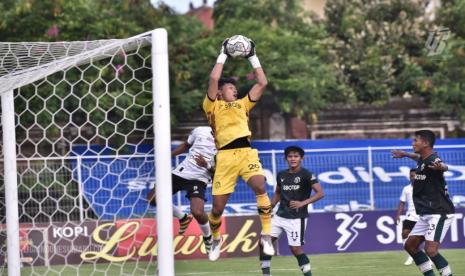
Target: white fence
x=79, y=187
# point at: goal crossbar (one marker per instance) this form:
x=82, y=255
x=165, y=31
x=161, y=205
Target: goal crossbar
x=14, y=75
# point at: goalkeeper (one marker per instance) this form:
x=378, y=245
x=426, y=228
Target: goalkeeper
x=228, y=117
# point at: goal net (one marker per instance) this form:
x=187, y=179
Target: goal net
x=84, y=122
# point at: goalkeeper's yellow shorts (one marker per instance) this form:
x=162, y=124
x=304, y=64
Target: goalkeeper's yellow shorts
x=230, y=164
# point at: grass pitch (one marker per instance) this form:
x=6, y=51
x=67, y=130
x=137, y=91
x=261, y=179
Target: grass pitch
x=342, y=264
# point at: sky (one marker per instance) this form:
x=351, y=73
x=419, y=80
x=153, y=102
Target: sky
x=182, y=6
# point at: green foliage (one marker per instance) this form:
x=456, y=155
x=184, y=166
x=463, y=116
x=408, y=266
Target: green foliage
x=365, y=51
x=451, y=15
x=377, y=45
x=448, y=82
x=59, y=20
x=292, y=50
x=447, y=69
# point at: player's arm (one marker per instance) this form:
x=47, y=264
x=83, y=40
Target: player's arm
x=319, y=194
x=216, y=72
x=200, y=161
x=276, y=196
x=257, y=90
x=400, y=209
x=152, y=198
x=438, y=165
x=402, y=154
x=181, y=148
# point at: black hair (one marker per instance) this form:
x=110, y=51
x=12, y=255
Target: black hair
x=224, y=81
x=426, y=135
x=413, y=170
x=294, y=149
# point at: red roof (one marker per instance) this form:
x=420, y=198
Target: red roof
x=204, y=14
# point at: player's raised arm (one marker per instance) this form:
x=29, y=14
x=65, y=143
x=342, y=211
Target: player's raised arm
x=257, y=90
x=402, y=154
x=216, y=72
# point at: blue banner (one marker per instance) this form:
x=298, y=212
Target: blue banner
x=364, y=231
x=351, y=174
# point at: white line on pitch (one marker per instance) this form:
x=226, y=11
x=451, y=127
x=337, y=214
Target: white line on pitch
x=256, y=271
x=225, y=272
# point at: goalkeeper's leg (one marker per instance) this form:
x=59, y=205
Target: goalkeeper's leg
x=219, y=202
x=257, y=183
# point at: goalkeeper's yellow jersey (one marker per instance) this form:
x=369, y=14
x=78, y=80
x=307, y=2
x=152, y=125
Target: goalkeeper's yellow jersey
x=228, y=120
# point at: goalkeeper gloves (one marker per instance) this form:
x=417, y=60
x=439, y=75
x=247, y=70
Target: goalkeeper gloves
x=252, y=57
x=223, y=53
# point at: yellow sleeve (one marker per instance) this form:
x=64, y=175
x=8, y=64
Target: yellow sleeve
x=207, y=104
x=248, y=103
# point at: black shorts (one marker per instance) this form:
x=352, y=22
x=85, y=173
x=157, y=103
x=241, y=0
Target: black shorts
x=194, y=188
x=408, y=224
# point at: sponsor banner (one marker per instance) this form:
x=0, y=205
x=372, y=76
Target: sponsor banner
x=136, y=239
x=241, y=236
x=364, y=231
x=125, y=240
x=131, y=240
x=67, y=241
x=31, y=241
x=116, y=188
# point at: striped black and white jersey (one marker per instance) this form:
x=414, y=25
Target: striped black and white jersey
x=407, y=196
x=201, y=142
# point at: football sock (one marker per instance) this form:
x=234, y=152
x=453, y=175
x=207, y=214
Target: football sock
x=264, y=211
x=304, y=264
x=215, y=224
x=423, y=263
x=265, y=264
x=206, y=232
x=178, y=213
x=441, y=264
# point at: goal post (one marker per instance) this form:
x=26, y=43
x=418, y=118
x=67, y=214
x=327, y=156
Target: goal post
x=85, y=132
x=11, y=183
x=161, y=102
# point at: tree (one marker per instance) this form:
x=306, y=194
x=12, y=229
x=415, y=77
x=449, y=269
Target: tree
x=292, y=49
x=58, y=20
x=377, y=44
x=447, y=69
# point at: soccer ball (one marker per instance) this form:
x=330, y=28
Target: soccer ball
x=238, y=46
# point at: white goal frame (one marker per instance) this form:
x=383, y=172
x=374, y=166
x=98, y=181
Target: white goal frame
x=162, y=141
